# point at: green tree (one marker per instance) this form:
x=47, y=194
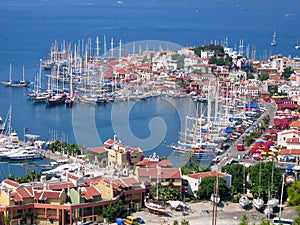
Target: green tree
x=297, y=219
x=265, y=222
x=169, y=193
x=287, y=72
x=266, y=179
x=263, y=76
x=7, y=219
x=250, y=76
x=245, y=220
x=175, y=222
x=207, y=187
x=185, y=222
x=237, y=173
x=111, y=212
x=294, y=193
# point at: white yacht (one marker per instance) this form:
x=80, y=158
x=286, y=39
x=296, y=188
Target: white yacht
x=25, y=154
x=8, y=150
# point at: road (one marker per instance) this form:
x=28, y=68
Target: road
x=232, y=153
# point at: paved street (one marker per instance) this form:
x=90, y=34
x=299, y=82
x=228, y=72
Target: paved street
x=232, y=152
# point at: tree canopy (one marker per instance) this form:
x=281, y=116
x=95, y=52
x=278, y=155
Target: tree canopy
x=287, y=72
x=237, y=173
x=211, y=47
x=294, y=194
x=263, y=76
x=267, y=182
x=207, y=187
x=111, y=212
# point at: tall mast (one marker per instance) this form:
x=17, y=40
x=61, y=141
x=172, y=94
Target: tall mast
x=112, y=48
x=104, y=45
x=10, y=71
x=97, y=46
x=120, y=48
x=23, y=73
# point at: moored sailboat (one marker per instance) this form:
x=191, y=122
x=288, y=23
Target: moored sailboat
x=16, y=83
x=258, y=202
x=274, y=43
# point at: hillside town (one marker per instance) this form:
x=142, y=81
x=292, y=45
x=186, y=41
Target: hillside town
x=260, y=127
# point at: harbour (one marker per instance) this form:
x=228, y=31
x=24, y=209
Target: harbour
x=126, y=111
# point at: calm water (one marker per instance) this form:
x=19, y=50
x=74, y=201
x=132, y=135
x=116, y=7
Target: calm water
x=28, y=28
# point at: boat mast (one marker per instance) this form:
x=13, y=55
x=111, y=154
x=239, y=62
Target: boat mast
x=157, y=180
x=23, y=74
x=10, y=72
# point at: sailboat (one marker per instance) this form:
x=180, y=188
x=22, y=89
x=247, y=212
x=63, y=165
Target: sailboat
x=244, y=201
x=273, y=43
x=258, y=202
x=272, y=202
x=70, y=97
x=297, y=46
x=151, y=205
x=16, y=83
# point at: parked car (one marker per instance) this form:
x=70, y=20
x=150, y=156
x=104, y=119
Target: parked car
x=140, y=220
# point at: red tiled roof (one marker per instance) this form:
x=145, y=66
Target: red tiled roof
x=127, y=182
x=25, y=192
x=60, y=186
x=289, y=152
x=108, y=143
x=11, y=183
x=89, y=192
x=16, y=197
x=147, y=163
x=46, y=194
x=164, y=173
x=99, y=150
x=207, y=174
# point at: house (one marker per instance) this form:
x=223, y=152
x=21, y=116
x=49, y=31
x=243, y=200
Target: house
x=193, y=181
x=165, y=177
x=154, y=161
x=288, y=154
x=121, y=157
x=285, y=135
x=66, y=203
x=98, y=154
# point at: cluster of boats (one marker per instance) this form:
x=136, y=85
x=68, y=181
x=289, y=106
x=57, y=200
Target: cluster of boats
x=11, y=149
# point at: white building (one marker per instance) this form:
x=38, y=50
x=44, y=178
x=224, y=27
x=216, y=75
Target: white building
x=283, y=136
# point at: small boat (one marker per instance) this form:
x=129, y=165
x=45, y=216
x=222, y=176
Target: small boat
x=273, y=202
x=244, y=201
x=155, y=208
x=297, y=46
x=16, y=83
x=258, y=203
x=57, y=99
x=274, y=43
x=59, y=170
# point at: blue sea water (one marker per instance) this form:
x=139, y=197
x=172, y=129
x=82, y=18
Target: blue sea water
x=28, y=28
